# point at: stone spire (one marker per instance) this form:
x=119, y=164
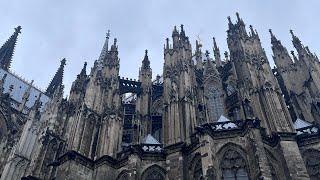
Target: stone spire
x=216, y=52
x=105, y=48
x=175, y=37
x=7, y=49
x=175, y=32
x=276, y=44
x=78, y=87
x=279, y=51
x=182, y=33
x=209, y=69
x=295, y=40
x=297, y=43
x=145, y=61
x=57, y=79
x=274, y=40
x=84, y=70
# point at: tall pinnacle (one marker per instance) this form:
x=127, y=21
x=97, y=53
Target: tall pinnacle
x=296, y=42
x=104, y=50
x=145, y=61
x=56, y=82
x=7, y=49
x=209, y=67
x=275, y=42
x=216, y=52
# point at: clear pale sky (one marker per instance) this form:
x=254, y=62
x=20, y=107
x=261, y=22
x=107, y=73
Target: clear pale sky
x=76, y=30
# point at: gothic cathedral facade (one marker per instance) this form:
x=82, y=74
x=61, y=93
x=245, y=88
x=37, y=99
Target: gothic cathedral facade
x=204, y=118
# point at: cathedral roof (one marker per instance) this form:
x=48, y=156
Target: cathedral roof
x=149, y=139
x=19, y=88
x=301, y=124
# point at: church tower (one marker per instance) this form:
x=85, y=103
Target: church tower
x=259, y=91
x=143, y=98
x=179, y=96
x=97, y=129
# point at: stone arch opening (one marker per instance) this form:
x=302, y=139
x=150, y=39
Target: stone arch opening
x=233, y=164
x=154, y=172
x=195, y=167
x=49, y=157
x=276, y=169
x=124, y=175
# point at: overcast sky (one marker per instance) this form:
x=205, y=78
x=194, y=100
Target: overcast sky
x=75, y=29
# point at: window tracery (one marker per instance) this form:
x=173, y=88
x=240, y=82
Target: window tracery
x=233, y=166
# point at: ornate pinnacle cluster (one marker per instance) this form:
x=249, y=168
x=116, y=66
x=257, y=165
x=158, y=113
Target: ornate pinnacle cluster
x=7, y=49
x=179, y=39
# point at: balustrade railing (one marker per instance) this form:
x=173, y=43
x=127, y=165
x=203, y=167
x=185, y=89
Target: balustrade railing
x=307, y=131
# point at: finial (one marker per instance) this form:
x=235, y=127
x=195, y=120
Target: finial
x=181, y=27
x=270, y=31
x=214, y=43
x=238, y=16
x=108, y=34
x=84, y=65
x=63, y=62
x=251, y=29
x=291, y=31
x=207, y=54
x=146, y=52
x=83, y=71
x=11, y=88
x=292, y=53
x=4, y=77
x=226, y=56
x=18, y=29
x=167, y=43
x=229, y=19
x=115, y=41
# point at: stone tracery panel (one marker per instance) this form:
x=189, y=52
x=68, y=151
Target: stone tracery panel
x=154, y=172
x=233, y=165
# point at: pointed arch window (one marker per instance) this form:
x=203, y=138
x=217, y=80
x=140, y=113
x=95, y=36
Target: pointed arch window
x=154, y=173
x=215, y=100
x=197, y=171
x=312, y=161
x=124, y=175
x=233, y=166
x=49, y=157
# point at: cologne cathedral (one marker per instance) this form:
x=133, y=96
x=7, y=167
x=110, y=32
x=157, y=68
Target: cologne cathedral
x=207, y=117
